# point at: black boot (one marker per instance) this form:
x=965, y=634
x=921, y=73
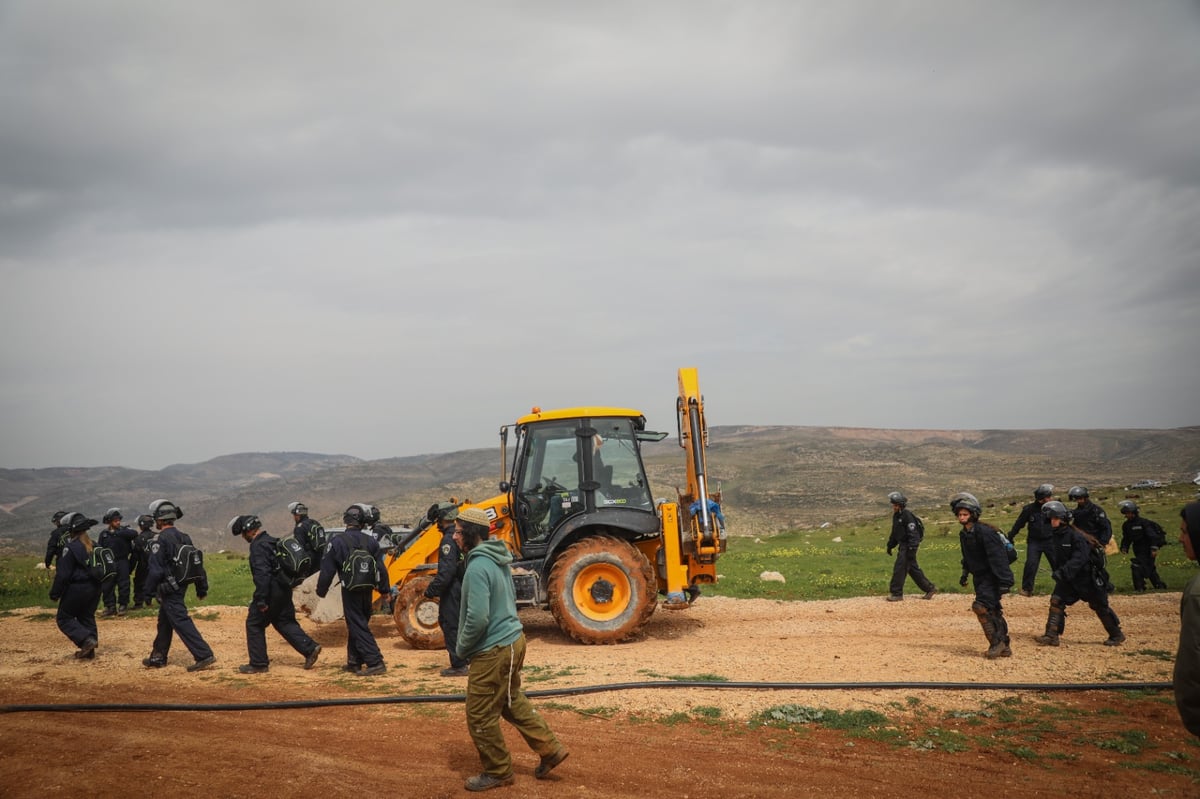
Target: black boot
x=1055, y=623
x=1003, y=645
x=1112, y=626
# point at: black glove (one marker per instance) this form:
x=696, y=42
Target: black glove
x=889, y=550
x=263, y=607
x=963, y=580
x=55, y=598
x=1057, y=575
x=161, y=591
x=200, y=595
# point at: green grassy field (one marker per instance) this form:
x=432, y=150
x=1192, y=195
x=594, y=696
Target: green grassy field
x=827, y=563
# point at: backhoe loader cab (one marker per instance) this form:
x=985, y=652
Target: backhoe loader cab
x=578, y=515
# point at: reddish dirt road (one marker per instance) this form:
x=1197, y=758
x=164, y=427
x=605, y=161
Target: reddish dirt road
x=629, y=743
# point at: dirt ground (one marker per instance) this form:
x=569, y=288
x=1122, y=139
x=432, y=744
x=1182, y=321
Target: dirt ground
x=624, y=743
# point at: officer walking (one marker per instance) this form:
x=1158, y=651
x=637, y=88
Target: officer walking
x=1090, y=517
x=75, y=590
x=119, y=539
x=172, y=610
x=907, y=533
x=57, y=538
x=446, y=587
x=141, y=560
x=271, y=603
x=985, y=558
x=1145, y=536
x=1039, y=541
x=309, y=533
x=361, y=647
x=1079, y=574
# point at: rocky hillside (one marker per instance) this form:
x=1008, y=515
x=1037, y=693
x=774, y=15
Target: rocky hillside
x=772, y=478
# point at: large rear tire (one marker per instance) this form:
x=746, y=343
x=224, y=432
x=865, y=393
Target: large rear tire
x=417, y=617
x=602, y=590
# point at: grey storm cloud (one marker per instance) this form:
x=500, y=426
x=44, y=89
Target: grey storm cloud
x=387, y=228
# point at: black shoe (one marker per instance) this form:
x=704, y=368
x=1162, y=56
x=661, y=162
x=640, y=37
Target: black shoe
x=931, y=592
x=896, y=598
x=250, y=668
x=108, y=612
x=155, y=661
x=122, y=610
x=455, y=671
x=87, y=649
x=136, y=606
x=310, y=659
x=485, y=782
x=203, y=663
x=353, y=668
x=1116, y=639
x=371, y=671
x=549, y=762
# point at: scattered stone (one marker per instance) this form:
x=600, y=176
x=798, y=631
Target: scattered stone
x=772, y=577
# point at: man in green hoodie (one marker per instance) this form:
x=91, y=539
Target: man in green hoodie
x=491, y=637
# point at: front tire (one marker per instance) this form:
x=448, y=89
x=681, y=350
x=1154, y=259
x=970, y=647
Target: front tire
x=417, y=616
x=602, y=590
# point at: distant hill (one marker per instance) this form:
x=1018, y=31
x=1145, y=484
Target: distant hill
x=772, y=478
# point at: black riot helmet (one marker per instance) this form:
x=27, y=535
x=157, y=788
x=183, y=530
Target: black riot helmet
x=57, y=517
x=897, y=498
x=1044, y=491
x=145, y=521
x=1078, y=492
x=1127, y=506
x=968, y=501
x=112, y=515
x=164, y=509
x=1056, y=510
x=297, y=509
x=243, y=524
x=354, y=516
x=76, y=522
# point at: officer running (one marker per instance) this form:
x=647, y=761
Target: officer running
x=1079, y=575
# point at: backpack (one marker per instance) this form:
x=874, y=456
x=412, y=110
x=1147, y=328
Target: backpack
x=188, y=566
x=1155, y=534
x=1009, y=549
x=294, y=560
x=101, y=565
x=360, y=572
x=312, y=537
x=920, y=530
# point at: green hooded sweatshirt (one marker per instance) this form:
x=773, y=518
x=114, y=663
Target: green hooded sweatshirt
x=487, y=617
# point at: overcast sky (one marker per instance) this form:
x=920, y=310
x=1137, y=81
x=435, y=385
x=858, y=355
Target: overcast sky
x=387, y=228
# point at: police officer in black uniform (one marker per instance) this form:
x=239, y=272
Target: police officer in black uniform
x=446, y=587
x=172, y=610
x=361, y=647
x=907, y=532
x=75, y=590
x=1090, y=517
x=271, y=604
x=57, y=538
x=1079, y=574
x=1039, y=541
x=309, y=533
x=985, y=558
x=119, y=539
x=1145, y=536
x=141, y=560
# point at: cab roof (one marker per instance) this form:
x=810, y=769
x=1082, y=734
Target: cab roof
x=538, y=415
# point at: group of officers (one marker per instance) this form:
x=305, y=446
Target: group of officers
x=1073, y=542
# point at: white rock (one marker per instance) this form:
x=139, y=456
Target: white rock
x=319, y=610
x=837, y=539
x=772, y=577
x=826, y=525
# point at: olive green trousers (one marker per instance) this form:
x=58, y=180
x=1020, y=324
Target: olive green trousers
x=494, y=692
